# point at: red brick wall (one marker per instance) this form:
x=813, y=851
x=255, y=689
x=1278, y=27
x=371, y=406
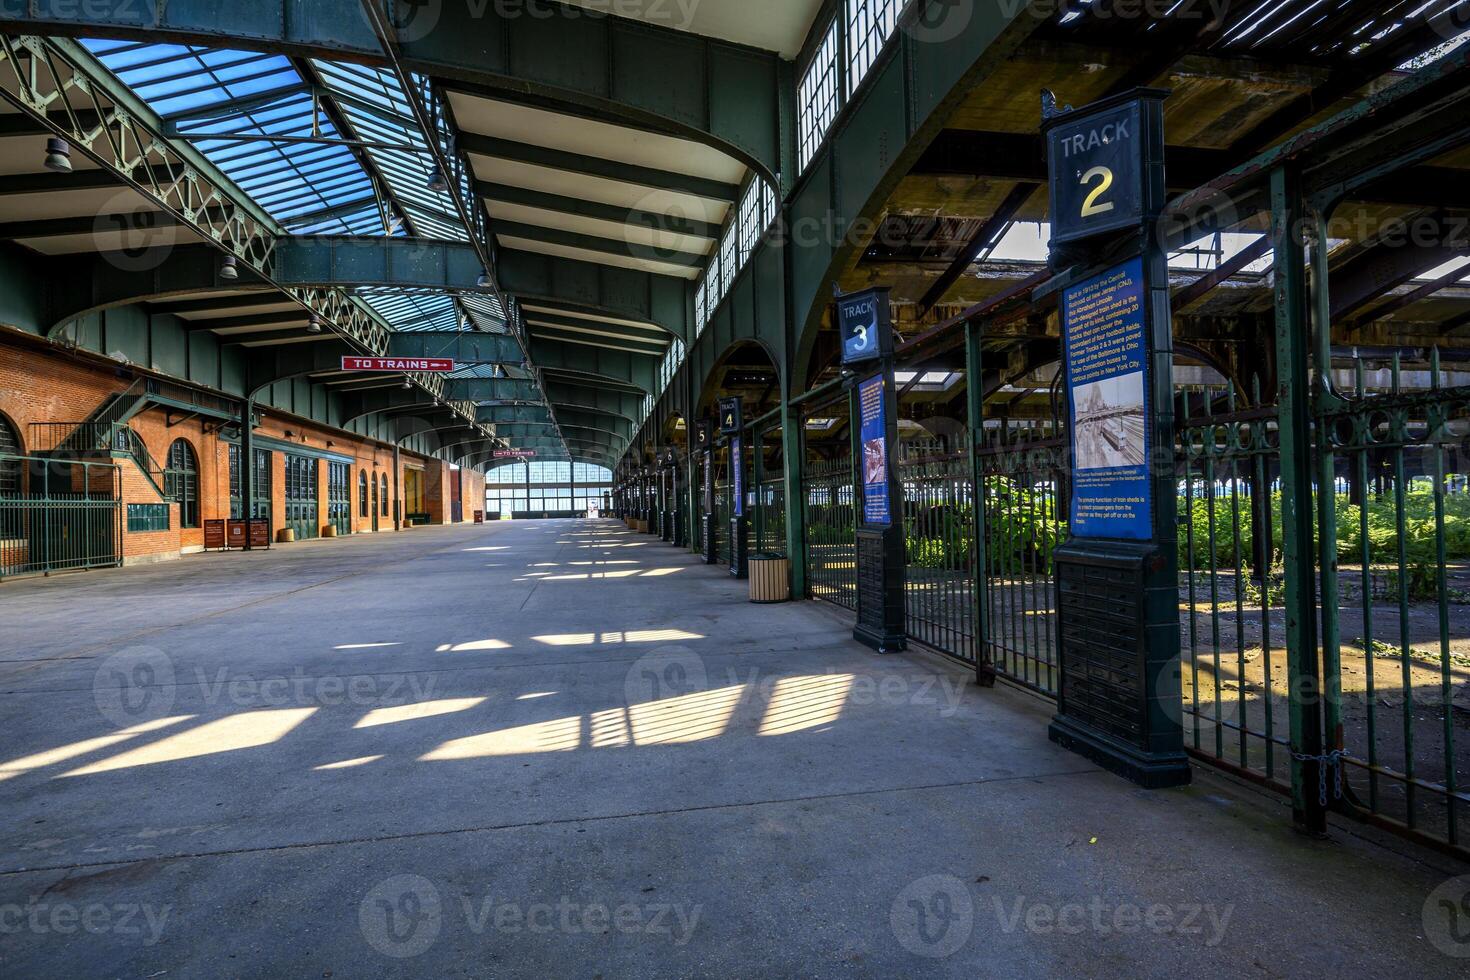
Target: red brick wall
x=43, y=385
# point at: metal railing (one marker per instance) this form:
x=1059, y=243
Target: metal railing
x=1393, y=509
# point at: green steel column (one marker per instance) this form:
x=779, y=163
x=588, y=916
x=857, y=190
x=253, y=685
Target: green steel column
x=1294, y=415
x=975, y=395
x=1326, y=485
x=793, y=455
x=247, y=465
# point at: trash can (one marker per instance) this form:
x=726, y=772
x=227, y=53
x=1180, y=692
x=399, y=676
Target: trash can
x=770, y=578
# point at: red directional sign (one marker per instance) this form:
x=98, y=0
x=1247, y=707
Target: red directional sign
x=433, y=365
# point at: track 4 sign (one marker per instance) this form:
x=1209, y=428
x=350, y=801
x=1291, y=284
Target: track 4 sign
x=731, y=421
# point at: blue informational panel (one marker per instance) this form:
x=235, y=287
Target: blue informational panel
x=872, y=408
x=737, y=477
x=1104, y=324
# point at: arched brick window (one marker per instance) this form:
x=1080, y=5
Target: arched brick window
x=181, y=481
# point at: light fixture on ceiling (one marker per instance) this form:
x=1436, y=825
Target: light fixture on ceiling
x=314, y=325
x=228, y=268
x=483, y=280
x=407, y=384
x=437, y=183
x=58, y=155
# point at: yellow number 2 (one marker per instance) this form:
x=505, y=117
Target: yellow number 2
x=1104, y=177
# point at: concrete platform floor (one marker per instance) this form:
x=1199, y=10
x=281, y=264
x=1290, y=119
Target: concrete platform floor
x=562, y=749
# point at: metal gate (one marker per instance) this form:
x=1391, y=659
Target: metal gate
x=939, y=539
x=301, y=499
x=831, y=536
x=58, y=515
x=1023, y=472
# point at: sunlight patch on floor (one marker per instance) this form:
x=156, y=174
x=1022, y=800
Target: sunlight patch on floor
x=50, y=757
x=415, y=711
x=349, y=763
x=558, y=735
x=687, y=718
x=800, y=703
x=470, y=646
x=248, y=730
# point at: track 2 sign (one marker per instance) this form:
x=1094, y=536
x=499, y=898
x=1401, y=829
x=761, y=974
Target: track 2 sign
x=1098, y=159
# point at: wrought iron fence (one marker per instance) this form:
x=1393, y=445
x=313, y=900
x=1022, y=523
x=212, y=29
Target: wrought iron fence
x=1394, y=541
x=770, y=516
x=61, y=515
x=831, y=535
x=1023, y=474
x=939, y=541
x=1233, y=676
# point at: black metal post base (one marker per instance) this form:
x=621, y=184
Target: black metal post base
x=739, y=547
x=668, y=525
x=1148, y=769
x=879, y=641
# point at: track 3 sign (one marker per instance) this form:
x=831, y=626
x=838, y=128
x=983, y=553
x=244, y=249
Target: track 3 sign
x=864, y=323
x=427, y=365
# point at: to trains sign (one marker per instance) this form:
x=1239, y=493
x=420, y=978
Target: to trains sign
x=426, y=365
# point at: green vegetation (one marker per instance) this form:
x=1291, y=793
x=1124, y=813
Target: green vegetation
x=1234, y=531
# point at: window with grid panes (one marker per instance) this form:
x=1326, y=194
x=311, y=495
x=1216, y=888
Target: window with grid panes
x=750, y=221
x=869, y=25
x=816, y=97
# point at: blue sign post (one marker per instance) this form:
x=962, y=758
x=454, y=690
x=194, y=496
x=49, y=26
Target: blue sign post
x=1117, y=588
x=737, y=475
x=867, y=338
x=1104, y=328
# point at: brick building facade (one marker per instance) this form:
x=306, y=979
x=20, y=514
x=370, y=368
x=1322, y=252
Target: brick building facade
x=43, y=388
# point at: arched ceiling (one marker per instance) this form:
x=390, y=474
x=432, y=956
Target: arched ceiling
x=557, y=176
